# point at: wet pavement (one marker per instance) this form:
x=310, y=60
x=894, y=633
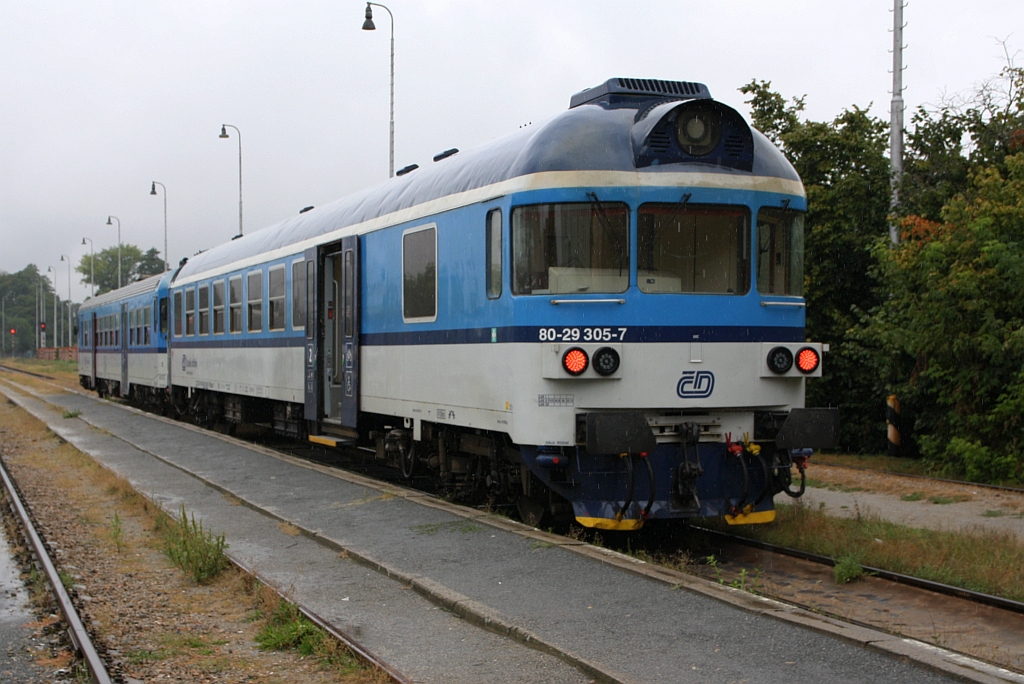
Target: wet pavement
x=546, y=605
x=16, y=634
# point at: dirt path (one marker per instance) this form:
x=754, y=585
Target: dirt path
x=914, y=502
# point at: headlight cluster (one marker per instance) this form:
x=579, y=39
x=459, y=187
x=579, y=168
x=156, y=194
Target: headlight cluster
x=780, y=360
x=699, y=129
x=575, y=361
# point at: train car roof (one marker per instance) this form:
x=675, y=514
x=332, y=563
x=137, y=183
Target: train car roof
x=130, y=290
x=564, y=143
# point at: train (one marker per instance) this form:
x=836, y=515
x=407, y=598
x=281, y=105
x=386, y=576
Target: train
x=599, y=318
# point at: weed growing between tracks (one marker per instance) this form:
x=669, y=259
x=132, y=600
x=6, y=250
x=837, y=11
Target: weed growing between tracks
x=985, y=561
x=191, y=548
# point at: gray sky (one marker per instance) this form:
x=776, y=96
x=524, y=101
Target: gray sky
x=100, y=98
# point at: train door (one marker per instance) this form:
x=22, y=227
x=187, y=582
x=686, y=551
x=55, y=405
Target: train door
x=124, y=349
x=340, y=371
x=92, y=348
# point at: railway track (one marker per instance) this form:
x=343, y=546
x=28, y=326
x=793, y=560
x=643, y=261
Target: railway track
x=77, y=632
x=12, y=369
x=928, y=585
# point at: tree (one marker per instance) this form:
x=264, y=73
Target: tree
x=134, y=266
x=846, y=176
x=953, y=325
x=20, y=292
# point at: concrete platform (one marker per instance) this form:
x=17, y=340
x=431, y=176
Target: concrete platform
x=534, y=607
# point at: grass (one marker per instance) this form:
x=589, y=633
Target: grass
x=943, y=500
x=847, y=569
x=877, y=462
x=72, y=413
x=913, y=496
x=286, y=628
x=193, y=549
x=987, y=561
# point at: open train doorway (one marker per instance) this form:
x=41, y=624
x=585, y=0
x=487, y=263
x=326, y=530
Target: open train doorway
x=340, y=370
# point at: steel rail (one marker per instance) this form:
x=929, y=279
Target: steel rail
x=965, y=483
x=76, y=629
x=350, y=643
x=929, y=585
x=18, y=370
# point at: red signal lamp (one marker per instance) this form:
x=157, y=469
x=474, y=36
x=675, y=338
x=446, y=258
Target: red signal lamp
x=575, y=361
x=807, y=360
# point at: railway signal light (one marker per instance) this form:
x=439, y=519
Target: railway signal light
x=13, y=331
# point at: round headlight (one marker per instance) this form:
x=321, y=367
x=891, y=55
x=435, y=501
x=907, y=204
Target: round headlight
x=780, y=360
x=698, y=130
x=575, y=361
x=606, y=361
x=807, y=360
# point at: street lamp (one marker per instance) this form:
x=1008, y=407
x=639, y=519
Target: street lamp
x=118, y=248
x=68, y=333
x=224, y=134
x=48, y=269
x=368, y=26
x=167, y=266
x=3, y=326
x=92, y=266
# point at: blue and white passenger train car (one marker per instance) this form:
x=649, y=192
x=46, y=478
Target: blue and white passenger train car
x=600, y=316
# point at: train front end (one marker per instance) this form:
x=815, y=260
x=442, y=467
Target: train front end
x=664, y=315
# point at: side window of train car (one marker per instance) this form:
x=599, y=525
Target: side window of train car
x=218, y=307
x=298, y=295
x=146, y=325
x=163, y=315
x=235, y=311
x=255, y=301
x=133, y=318
x=780, y=251
x=190, y=311
x=178, y=313
x=419, y=275
x=494, y=253
x=204, y=309
x=275, y=299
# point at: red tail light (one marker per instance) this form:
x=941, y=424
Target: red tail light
x=575, y=361
x=807, y=360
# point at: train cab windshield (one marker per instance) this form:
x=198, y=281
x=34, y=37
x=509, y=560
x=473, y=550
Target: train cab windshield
x=570, y=248
x=693, y=249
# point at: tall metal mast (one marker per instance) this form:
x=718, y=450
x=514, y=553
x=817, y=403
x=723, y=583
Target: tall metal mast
x=896, y=114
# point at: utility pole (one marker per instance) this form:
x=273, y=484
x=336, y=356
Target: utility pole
x=896, y=114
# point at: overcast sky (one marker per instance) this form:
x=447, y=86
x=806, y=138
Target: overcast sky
x=100, y=98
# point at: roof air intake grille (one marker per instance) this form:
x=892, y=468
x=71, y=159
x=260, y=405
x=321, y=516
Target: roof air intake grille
x=649, y=86
x=627, y=90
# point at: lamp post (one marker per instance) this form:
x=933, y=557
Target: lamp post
x=48, y=269
x=68, y=331
x=224, y=134
x=167, y=266
x=109, y=218
x=3, y=325
x=368, y=26
x=92, y=266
